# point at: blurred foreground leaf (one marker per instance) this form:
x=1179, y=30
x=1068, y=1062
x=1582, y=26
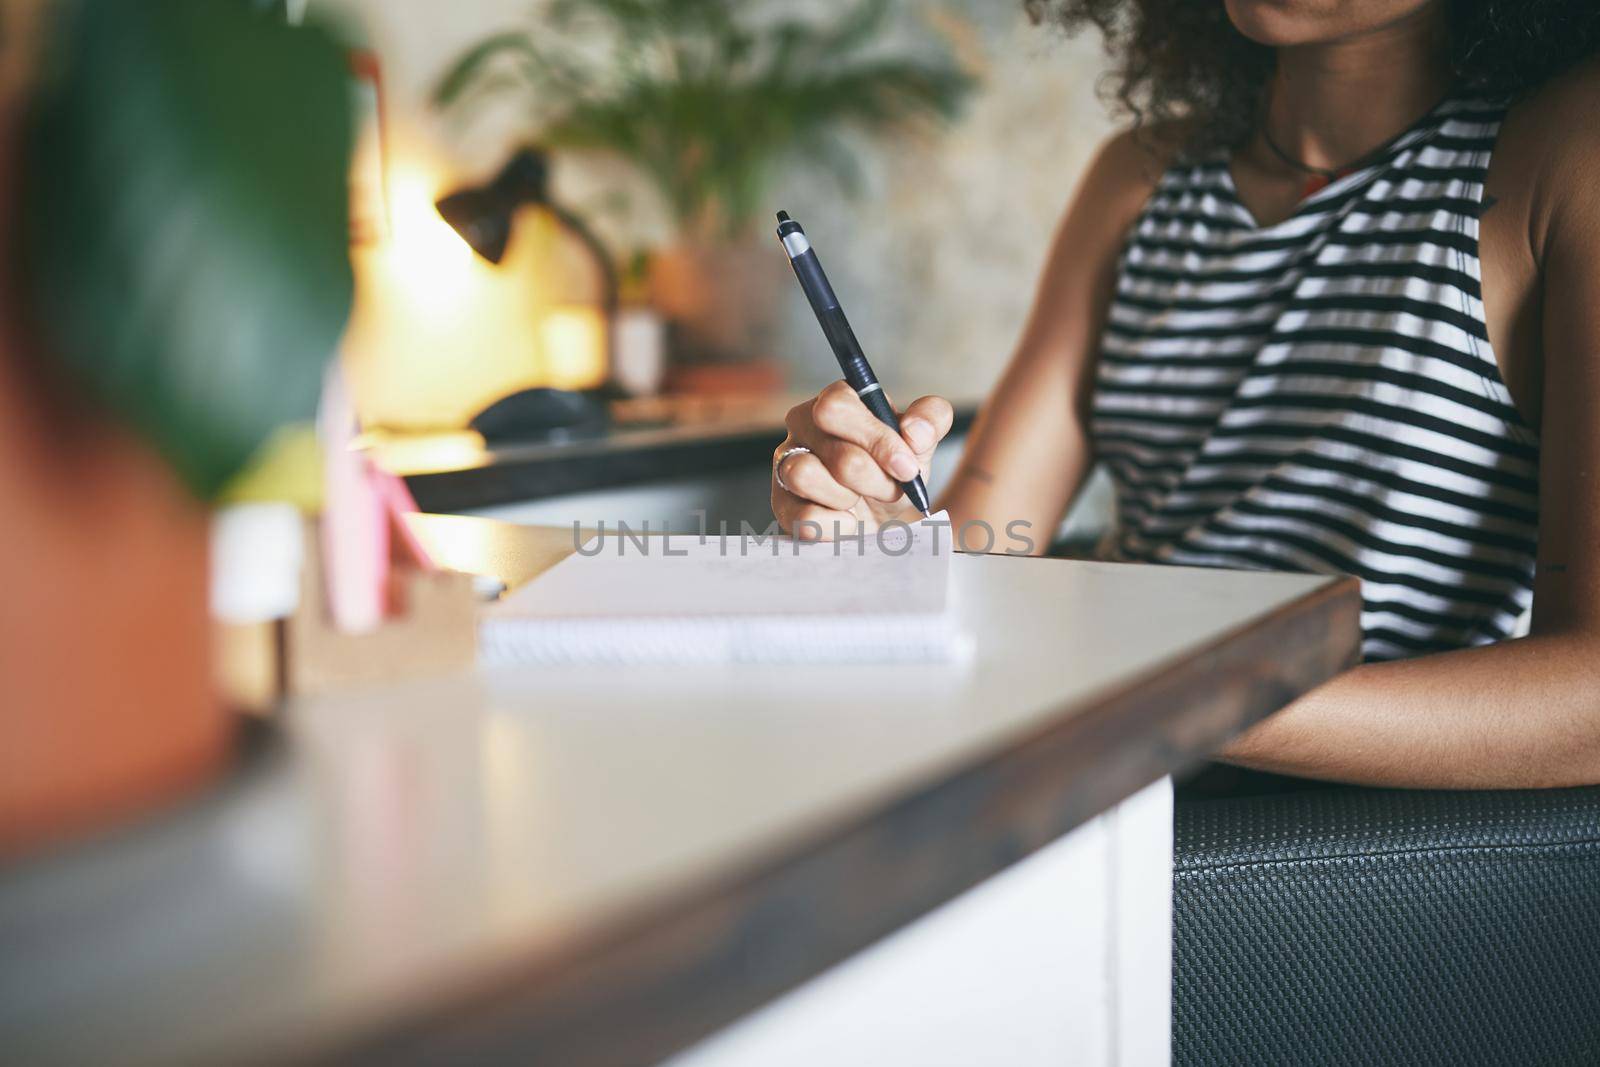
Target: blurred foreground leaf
x=185, y=219
x=287, y=468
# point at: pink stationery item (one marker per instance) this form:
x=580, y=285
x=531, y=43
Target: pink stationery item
x=355, y=518
x=398, y=503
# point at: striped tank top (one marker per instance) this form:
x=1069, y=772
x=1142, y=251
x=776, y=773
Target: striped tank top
x=1320, y=395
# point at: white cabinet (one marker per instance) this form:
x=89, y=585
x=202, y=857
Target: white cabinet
x=1062, y=959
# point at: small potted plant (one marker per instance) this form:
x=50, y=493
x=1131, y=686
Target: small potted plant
x=176, y=278
x=709, y=100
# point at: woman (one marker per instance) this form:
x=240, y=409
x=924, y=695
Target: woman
x=1334, y=306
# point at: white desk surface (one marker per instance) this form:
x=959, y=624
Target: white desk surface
x=409, y=846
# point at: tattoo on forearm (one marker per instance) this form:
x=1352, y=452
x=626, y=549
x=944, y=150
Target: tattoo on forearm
x=979, y=474
x=1486, y=203
x=1553, y=568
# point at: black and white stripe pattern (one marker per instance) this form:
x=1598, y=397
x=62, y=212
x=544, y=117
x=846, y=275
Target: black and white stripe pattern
x=1320, y=394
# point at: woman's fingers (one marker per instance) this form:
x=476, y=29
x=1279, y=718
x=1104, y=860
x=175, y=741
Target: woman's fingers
x=835, y=474
x=854, y=469
x=924, y=423
x=838, y=412
x=851, y=474
x=807, y=476
x=810, y=521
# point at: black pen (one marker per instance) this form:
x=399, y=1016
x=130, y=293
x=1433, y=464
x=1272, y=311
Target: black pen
x=842, y=339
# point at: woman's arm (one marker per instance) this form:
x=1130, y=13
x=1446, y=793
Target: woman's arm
x=1526, y=712
x=1029, y=451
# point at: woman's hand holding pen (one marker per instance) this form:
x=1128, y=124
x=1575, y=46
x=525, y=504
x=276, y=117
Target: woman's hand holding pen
x=840, y=468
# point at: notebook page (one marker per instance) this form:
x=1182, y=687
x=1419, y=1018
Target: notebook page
x=902, y=571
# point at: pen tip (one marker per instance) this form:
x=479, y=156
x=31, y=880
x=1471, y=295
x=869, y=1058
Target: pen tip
x=927, y=514
x=783, y=216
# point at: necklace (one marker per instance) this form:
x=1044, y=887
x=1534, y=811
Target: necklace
x=1320, y=177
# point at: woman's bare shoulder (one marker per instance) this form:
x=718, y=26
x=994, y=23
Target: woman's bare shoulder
x=1142, y=153
x=1562, y=110
x=1126, y=168
x=1549, y=151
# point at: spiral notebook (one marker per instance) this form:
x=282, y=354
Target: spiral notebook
x=686, y=599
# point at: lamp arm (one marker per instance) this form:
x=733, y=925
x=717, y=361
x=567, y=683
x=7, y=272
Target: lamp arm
x=608, y=270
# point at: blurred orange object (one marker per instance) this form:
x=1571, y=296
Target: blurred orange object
x=104, y=630
x=106, y=698
x=756, y=379
x=722, y=300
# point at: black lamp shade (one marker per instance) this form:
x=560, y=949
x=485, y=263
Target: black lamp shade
x=483, y=215
x=482, y=220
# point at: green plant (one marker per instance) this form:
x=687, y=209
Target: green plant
x=184, y=220
x=708, y=98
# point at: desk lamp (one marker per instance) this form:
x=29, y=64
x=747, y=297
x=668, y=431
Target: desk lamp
x=573, y=338
x=483, y=215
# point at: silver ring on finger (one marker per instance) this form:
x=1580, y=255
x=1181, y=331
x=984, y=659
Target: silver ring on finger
x=777, y=465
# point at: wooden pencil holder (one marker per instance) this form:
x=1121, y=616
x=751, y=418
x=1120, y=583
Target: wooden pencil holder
x=431, y=630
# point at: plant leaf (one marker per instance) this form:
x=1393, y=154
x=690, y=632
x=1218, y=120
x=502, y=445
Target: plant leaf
x=185, y=219
x=473, y=64
x=707, y=98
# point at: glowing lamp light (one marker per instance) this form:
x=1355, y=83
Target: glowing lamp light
x=473, y=296
x=572, y=334
x=425, y=254
x=574, y=347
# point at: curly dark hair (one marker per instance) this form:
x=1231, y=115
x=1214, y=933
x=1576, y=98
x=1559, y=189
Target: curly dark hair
x=1185, y=60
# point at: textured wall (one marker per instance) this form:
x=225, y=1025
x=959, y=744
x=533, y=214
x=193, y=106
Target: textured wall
x=936, y=259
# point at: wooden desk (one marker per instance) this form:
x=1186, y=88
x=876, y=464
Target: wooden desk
x=576, y=866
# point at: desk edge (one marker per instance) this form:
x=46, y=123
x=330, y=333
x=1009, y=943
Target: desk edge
x=668, y=976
